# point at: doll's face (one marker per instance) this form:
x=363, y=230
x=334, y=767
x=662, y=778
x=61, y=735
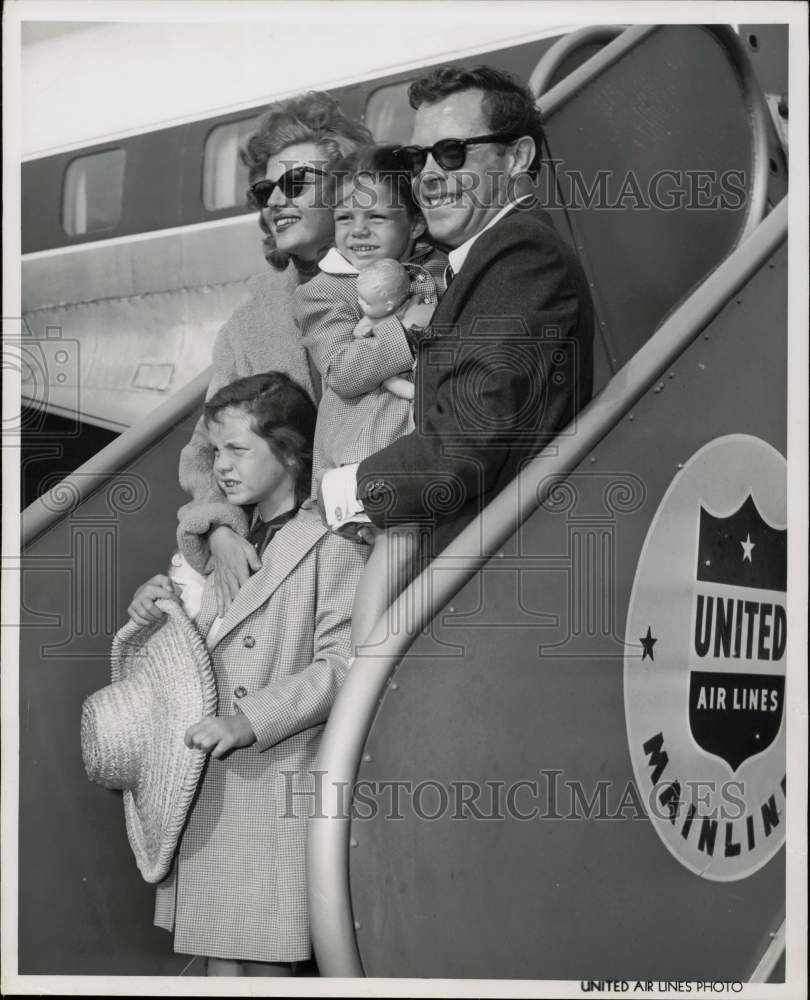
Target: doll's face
x=246, y=468
x=370, y=225
x=378, y=308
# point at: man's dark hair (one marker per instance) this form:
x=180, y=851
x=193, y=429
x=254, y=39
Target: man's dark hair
x=507, y=103
x=282, y=413
x=379, y=164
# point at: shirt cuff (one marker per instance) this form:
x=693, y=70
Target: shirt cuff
x=339, y=494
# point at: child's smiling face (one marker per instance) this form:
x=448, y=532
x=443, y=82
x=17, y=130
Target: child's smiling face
x=247, y=469
x=370, y=225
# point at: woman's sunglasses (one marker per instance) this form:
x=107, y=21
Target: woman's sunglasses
x=450, y=154
x=291, y=184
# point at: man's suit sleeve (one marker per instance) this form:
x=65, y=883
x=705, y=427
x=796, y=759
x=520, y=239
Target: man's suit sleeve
x=487, y=379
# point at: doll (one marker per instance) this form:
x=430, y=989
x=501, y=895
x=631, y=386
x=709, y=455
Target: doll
x=383, y=288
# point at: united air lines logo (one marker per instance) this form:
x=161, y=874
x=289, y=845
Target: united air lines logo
x=704, y=675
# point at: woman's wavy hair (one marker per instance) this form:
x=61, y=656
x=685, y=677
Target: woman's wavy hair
x=281, y=412
x=311, y=117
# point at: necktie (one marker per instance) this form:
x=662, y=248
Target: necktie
x=449, y=274
x=261, y=532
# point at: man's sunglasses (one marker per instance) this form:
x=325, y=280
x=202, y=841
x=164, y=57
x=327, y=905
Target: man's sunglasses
x=291, y=184
x=450, y=154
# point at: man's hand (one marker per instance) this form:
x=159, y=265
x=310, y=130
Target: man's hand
x=400, y=386
x=234, y=559
x=143, y=610
x=363, y=328
x=416, y=313
x=220, y=734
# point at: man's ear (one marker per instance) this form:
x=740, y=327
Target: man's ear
x=418, y=226
x=523, y=151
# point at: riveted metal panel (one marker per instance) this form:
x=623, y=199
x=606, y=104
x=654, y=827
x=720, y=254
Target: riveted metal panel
x=521, y=679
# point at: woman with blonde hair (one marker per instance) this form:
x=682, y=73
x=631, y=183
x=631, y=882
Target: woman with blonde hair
x=289, y=159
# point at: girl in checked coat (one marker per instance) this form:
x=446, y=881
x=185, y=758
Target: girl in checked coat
x=237, y=889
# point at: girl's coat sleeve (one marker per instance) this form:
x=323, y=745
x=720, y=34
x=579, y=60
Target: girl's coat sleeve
x=296, y=702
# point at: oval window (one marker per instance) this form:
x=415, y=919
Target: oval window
x=93, y=192
x=389, y=115
x=225, y=177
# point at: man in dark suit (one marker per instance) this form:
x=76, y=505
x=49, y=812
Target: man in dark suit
x=507, y=360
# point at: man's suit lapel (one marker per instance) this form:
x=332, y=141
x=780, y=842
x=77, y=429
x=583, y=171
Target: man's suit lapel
x=288, y=547
x=471, y=273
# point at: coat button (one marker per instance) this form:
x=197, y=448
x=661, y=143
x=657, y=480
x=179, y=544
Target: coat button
x=239, y=692
x=248, y=642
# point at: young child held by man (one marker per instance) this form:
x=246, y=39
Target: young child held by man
x=365, y=406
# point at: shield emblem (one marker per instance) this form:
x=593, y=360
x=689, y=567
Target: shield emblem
x=739, y=628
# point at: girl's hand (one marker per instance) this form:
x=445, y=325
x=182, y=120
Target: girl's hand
x=363, y=328
x=143, y=610
x=220, y=734
x=234, y=559
x=399, y=386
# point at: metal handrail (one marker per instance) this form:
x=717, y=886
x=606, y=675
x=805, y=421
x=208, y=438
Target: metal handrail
x=66, y=495
x=551, y=60
x=351, y=717
x=766, y=966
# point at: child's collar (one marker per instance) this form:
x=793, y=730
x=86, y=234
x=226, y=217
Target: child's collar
x=335, y=263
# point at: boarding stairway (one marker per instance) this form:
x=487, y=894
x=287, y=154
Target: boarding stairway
x=503, y=661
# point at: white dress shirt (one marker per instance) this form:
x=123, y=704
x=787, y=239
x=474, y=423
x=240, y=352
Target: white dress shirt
x=457, y=257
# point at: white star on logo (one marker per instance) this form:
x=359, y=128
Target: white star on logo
x=747, y=547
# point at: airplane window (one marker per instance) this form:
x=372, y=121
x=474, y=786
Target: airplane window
x=389, y=115
x=225, y=178
x=93, y=192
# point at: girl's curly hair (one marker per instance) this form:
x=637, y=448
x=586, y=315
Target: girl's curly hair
x=313, y=117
